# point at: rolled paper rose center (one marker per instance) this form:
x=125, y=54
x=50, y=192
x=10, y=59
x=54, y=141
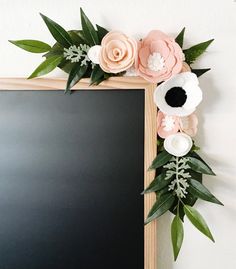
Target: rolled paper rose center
x=176, y=97
x=156, y=62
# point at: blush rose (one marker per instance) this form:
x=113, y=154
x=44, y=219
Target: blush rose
x=118, y=52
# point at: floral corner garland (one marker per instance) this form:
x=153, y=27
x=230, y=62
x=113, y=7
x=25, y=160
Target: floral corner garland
x=98, y=54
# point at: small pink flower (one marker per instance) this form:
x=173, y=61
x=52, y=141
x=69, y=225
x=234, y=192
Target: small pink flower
x=188, y=124
x=167, y=125
x=159, y=57
x=118, y=52
x=185, y=68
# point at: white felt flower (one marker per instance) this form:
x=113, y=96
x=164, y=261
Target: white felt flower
x=179, y=95
x=94, y=53
x=178, y=144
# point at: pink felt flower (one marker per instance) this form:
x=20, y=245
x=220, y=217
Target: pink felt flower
x=159, y=57
x=167, y=125
x=185, y=68
x=118, y=52
x=188, y=124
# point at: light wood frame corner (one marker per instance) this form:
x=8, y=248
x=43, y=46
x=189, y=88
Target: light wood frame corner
x=150, y=146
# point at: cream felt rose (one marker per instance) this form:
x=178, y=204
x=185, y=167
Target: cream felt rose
x=159, y=57
x=118, y=52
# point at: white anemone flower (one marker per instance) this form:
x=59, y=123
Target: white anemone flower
x=179, y=95
x=178, y=144
x=94, y=53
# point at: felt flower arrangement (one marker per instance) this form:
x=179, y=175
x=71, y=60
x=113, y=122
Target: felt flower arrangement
x=98, y=54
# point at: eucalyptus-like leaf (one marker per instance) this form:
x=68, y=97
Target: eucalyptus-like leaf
x=58, y=32
x=75, y=76
x=194, y=52
x=161, y=159
x=200, y=191
x=101, y=32
x=198, y=221
x=180, y=38
x=200, y=166
x=162, y=205
x=34, y=46
x=97, y=74
x=46, y=67
x=157, y=184
x=200, y=72
x=88, y=29
x=177, y=235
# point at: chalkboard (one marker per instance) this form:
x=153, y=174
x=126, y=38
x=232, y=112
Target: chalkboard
x=71, y=174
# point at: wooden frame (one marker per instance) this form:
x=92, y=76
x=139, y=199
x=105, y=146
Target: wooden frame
x=150, y=230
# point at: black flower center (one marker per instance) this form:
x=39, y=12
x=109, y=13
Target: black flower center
x=176, y=97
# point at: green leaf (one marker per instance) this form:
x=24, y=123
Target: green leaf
x=200, y=72
x=180, y=38
x=200, y=191
x=197, y=220
x=101, y=32
x=200, y=166
x=77, y=37
x=194, y=52
x=75, y=76
x=161, y=159
x=34, y=46
x=157, y=184
x=177, y=235
x=88, y=30
x=162, y=205
x=56, y=49
x=45, y=67
x=58, y=32
x=97, y=74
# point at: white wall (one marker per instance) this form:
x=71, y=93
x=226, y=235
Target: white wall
x=204, y=19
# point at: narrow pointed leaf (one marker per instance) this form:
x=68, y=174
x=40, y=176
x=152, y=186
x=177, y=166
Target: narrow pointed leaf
x=88, y=29
x=97, y=74
x=200, y=72
x=194, y=52
x=180, y=38
x=161, y=159
x=198, y=221
x=200, y=191
x=157, y=184
x=75, y=76
x=177, y=235
x=34, y=46
x=58, y=32
x=46, y=67
x=162, y=205
x=200, y=166
x=101, y=32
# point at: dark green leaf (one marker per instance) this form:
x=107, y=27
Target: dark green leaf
x=58, y=32
x=200, y=191
x=56, y=49
x=161, y=159
x=75, y=76
x=200, y=166
x=47, y=66
x=177, y=235
x=200, y=72
x=194, y=52
x=157, y=184
x=77, y=37
x=101, y=32
x=88, y=30
x=30, y=45
x=97, y=74
x=180, y=38
x=162, y=205
x=197, y=220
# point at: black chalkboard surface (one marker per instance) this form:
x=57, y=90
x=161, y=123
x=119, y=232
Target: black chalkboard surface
x=71, y=174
